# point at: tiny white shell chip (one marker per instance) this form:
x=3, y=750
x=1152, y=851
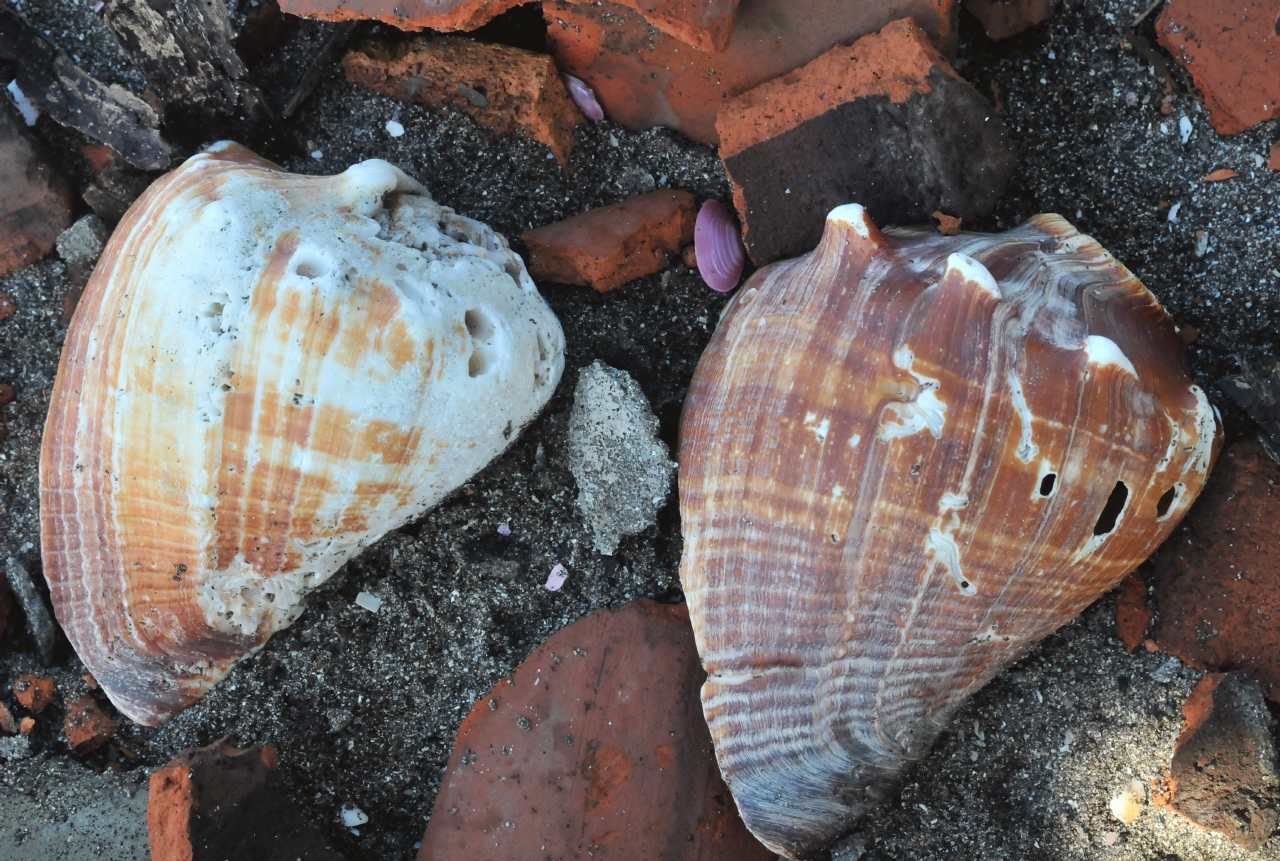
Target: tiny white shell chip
x=368, y=601
x=353, y=816
x=394, y=129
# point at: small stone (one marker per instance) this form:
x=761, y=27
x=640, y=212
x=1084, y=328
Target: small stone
x=80, y=246
x=219, y=802
x=1223, y=775
x=1232, y=50
x=395, y=129
x=689, y=256
x=1004, y=18
x=1110, y=838
x=8, y=725
x=33, y=692
x=1273, y=162
x=39, y=619
x=26, y=725
x=623, y=470
x=35, y=202
x=646, y=78
x=507, y=89
x=1216, y=587
x=87, y=728
x=370, y=602
x=1133, y=616
x=555, y=580
x=886, y=122
x=609, y=246
x=1126, y=805
x=613, y=753
x=15, y=747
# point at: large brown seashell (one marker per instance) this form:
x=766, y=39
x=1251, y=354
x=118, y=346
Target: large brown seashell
x=266, y=373
x=904, y=459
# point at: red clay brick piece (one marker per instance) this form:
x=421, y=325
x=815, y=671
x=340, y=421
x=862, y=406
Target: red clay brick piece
x=504, y=88
x=1133, y=616
x=645, y=78
x=606, y=247
x=33, y=692
x=406, y=14
x=87, y=728
x=858, y=124
x=220, y=802
x=1216, y=587
x=1004, y=18
x=35, y=202
x=1223, y=775
x=595, y=747
x=704, y=24
x=1274, y=162
x=8, y=725
x=1232, y=50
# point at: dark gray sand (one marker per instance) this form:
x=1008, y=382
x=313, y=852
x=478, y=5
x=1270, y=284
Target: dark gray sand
x=363, y=707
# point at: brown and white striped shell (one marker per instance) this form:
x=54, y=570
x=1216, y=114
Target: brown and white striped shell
x=266, y=373
x=904, y=459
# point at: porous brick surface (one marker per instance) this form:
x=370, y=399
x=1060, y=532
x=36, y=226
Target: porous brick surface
x=35, y=202
x=1232, y=50
x=611, y=245
x=406, y=14
x=885, y=122
x=594, y=748
x=220, y=802
x=33, y=692
x=507, y=89
x=1004, y=18
x=1223, y=775
x=1133, y=616
x=1216, y=587
x=645, y=78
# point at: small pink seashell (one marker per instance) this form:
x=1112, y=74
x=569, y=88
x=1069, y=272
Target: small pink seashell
x=718, y=247
x=504, y=529
x=556, y=578
x=584, y=97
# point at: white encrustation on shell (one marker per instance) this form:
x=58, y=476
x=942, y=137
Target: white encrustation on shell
x=266, y=373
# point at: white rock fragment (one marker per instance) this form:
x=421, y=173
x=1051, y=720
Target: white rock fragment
x=395, y=129
x=353, y=816
x=555, y=580
x=1184, y=128
x=1127, y=804
x=29, y=111
x=1173, y=212
x=622, y=469
x=317, y=154
x=370, y=602
x=81, y=244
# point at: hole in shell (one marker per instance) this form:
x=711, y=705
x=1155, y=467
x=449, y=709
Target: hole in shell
x=478, y=325
x=1112, y=510
x=1046, y=483
x=544, y=348
x=307, y=269
x=1166, y=501
x=479, y=363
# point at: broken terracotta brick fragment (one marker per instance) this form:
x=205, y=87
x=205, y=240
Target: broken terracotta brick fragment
x=1004, y=18
x=645, y=78
x=504, y=88
x=444, y=15
x=886, y=123
x=1232, y=50
x=8, y=725
x=35, y=202
x=1216, y=587
x=595, y=747
x=1223, y=775
x=87, y=728
x=218, y=802
x=33, y=692
x=1133, y=616
x=609, y=246
x=1273, y=163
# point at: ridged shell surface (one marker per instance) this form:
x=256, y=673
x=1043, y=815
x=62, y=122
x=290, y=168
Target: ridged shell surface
x=266, y=373
x=904, y=459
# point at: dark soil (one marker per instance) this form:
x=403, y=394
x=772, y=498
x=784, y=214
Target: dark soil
x=364, y=707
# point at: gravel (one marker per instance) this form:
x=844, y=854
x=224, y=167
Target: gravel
x=363, y=706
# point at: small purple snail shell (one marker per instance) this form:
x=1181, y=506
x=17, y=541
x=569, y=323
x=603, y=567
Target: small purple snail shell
x=584, y=97
x=718, y=247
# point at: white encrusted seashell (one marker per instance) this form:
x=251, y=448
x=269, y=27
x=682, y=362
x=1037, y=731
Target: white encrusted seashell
x=905, y=458
x=266, y=373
